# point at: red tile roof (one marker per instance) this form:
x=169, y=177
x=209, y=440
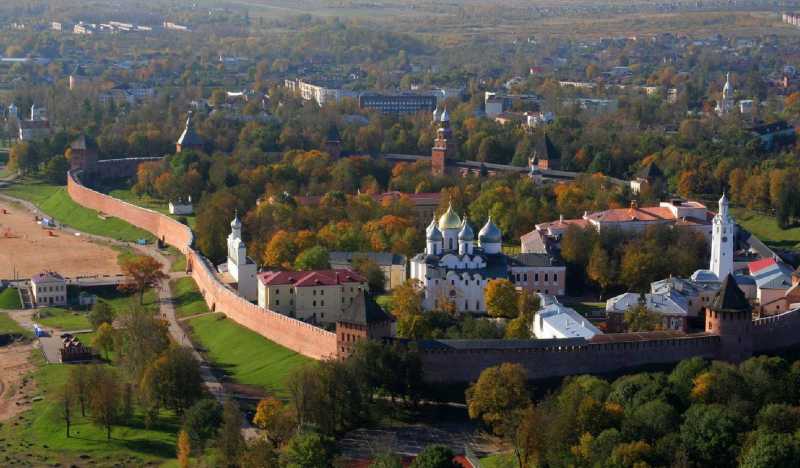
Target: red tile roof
x=647, y=213
x=759, y=265
x=310, y=278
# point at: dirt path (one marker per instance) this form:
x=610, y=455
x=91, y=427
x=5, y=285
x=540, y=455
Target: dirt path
x=15, y=386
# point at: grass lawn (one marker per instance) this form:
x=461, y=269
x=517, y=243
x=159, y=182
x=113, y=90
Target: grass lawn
x=179, y=264
x=246, y=356
x=9, y=299
x=588, y=309
x=55, y=202
x=188, y=300
x=766, y=228
x=145, y=201
x=120, y=301
x=10, y=326
x=498, y=460
x=38, y=437
x=63, y=319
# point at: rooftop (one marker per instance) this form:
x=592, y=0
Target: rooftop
x=310, y=278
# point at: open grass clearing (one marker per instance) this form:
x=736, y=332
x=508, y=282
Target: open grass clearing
x=38, y=437
x=188, y=300
x=243, y=355
x=9, y=299
x=62, y=319
x=9, y=326
x=766, y=228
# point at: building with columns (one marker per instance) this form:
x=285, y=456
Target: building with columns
x=240, y=270
x=457, y=265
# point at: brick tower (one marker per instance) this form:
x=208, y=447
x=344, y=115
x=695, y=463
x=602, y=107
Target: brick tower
x=443, y=146
x=730, y=317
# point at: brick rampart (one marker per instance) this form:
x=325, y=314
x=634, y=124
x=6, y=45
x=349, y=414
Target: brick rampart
x=465, y=365
x=298, y=336
x=777, y=332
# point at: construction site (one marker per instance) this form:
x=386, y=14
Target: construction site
x=29, y=245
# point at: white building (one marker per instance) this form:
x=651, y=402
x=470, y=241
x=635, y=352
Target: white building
x=722, y=239
x=456, y=269
x=49, y=289
x=181, y=206
x=240, y=268
x=555, y=320
x=726, y=104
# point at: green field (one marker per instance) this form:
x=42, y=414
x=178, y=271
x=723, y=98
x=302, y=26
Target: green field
x=766, y=228
x=179, y=264
x=38, y=437
x=63, y=319
x=55, y=202
x=121, y=301
x=245, y=356
x=10, y=326
x=188, y=300
x=498, y=460
x=145, y=201
x=9, y=299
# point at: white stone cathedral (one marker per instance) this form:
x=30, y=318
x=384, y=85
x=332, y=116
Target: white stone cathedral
x=453, y=268
x=722, y=238
x=241, y=268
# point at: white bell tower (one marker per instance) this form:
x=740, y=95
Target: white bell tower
x=722, y=238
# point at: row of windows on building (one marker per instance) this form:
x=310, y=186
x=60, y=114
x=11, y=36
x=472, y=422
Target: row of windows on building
x=314, y=291
x=50, y=288
x=313, y=303
x=524, y=277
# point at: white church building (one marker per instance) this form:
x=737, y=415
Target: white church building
x=455, y=268
x=240, y=270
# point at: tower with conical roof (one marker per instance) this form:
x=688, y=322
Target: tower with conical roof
x=450, y=226
x=444, y=145
x=730, y=317
x=239, y=266
x=723, y=231
x=189, y=139
x=333, y=142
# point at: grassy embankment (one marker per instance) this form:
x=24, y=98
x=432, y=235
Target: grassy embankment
x=766, y=228
x=67, y=320
x=9, y=299
x=145, y=201
x=54, y=201
x=245, y=356
x=188, y=300
x=38, y=437
x=9, y=326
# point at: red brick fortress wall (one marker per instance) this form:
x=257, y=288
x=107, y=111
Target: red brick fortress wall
x=298, y=336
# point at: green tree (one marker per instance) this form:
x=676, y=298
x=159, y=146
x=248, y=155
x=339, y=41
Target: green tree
x=175, y=378
x=104, y=339
x=639, y=318
x=201, y=421
x=771, y=450
x=498, y=397
x=372, y=272
x=230, y=442
x=435, y=456
x=709, y=434
x=55, y=170
x=601, y=269
x=101, y=313
x=315, y=258
x=386, y=460
x=105, y=399
x=308, y=449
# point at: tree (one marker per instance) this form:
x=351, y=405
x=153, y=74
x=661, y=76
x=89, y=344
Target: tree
x=104, y=339
x=184, y=449
x=372, y=272
x=101, y=313
x=501, y=298
x=639, y=318
x=67, y=400
x=600, y=269
x=201, y=421
x=175, y=378
x=315, y=258
x=79, y=383
x=141, y=338
x=105, y=398
x=259, y=454
x=435, y=456
x=143, y=272
x=55, y=170
x=230, y=442
x=772, y=450
x=280, y=250
x=498, y=397
x=22, y=157
x=275, y=419
x=308, y=449
x=709, y=435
